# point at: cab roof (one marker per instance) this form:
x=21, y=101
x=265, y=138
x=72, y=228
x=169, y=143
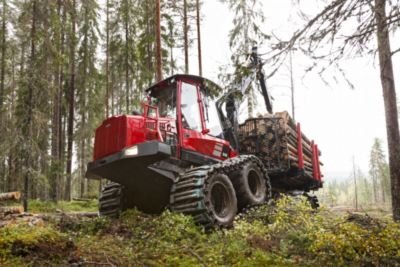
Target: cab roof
x=212, y=87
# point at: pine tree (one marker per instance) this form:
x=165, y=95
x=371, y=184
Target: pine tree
x=198, y=19
x=158, y=42
x=71, y=101
x=378, y=171
x=88, y=91
x=123, y=20
x=2, y=92
x=181, y=15
x=245, y=34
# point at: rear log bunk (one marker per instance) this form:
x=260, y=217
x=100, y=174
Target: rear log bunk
x=291, y=158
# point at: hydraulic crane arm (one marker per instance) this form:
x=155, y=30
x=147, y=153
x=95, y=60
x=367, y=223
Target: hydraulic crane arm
x=261, y=80
x=230, y=121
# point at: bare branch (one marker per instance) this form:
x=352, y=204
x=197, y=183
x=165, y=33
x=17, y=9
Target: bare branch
x=395, y=51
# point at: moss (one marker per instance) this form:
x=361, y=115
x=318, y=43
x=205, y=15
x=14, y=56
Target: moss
x=23, y=243
x=285, y=233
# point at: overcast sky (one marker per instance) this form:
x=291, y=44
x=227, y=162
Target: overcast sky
x=343, y=122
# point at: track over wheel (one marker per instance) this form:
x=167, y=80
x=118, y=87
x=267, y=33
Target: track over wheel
x=250, y=183
x=110, y=200
x=207, y=194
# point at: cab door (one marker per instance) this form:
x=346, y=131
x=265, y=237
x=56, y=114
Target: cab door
x=193, y=136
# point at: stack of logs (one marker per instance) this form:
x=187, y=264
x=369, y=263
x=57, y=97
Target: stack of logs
x=11, y=212
x=8, y=203
x=274, y=139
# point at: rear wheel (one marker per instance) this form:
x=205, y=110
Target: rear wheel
x=250, y=185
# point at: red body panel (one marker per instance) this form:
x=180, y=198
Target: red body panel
x=206, y=145
x=116, y=133
x=119, y=132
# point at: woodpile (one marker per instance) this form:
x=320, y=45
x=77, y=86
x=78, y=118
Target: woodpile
x=10, y=208
x=18, y=218
x=275, y=139
x=10, y=196
x=10, y=203
x=11, y=212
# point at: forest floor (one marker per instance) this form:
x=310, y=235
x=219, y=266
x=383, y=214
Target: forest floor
x=285, y=233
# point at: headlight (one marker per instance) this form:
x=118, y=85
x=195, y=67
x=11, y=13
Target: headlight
x=132, y=151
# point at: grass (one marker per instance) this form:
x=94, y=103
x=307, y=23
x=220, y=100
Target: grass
x=38, y=206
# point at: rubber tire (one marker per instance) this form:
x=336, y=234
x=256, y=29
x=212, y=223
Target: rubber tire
x=224, y=210
x=250, y=185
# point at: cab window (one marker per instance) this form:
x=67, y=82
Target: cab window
x=190, y=107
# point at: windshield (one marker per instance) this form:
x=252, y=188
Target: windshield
x=211, y=115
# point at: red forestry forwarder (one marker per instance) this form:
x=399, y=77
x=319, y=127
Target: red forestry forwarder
x=186, y=154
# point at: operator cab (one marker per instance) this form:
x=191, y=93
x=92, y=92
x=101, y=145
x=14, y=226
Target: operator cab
x=195, y=126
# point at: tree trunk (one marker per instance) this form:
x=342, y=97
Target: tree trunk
x=55, y=120
x=389, y=97
x=171, y=49
x=185, y=36
x=374, y=187
x=158, y=43
x=199, y=38
x=83, y=109
x=28, y=126
x=71, y=105
x=3, y=61
x=61, y=131
x=10, y=178
x=17, y=171
x=149, y=50
x=3, y=169
x=127, y=55
x=107, y=58
x=383, y=193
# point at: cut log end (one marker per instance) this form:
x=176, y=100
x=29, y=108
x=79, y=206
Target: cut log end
x=15, y=196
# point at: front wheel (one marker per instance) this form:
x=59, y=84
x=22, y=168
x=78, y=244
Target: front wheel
x=221, y=199
x=206, y=194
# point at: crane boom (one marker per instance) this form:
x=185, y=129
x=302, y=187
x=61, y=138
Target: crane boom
x=230, y=121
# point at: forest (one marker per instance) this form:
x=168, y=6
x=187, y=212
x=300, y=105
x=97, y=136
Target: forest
x=67, y=65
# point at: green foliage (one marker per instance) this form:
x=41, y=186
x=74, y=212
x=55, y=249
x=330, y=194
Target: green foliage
x=287, y=232
x=38, y=206
x=379, y=172
x=245, y=34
